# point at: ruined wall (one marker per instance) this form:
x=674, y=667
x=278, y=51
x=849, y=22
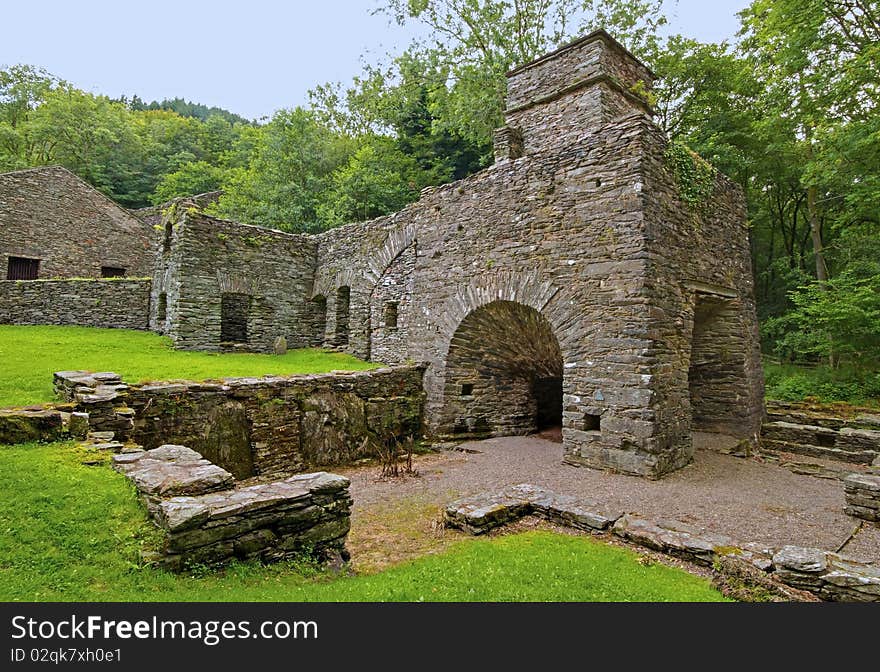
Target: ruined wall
x=264, y=426
x=207, y=519
x=580, y=227
x=121, y=304
x=703, y=311
x=356, y=256
x=569, y=93
x=270, y=272
x=51, y=215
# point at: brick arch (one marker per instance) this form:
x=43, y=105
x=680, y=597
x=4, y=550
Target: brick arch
x=395, y=243
x=503, y=372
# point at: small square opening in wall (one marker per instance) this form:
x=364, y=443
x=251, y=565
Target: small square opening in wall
x=391, y=315
x=592, y=423
x=112, y=272
x=467, y=389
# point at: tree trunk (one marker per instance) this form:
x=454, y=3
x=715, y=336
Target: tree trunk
x=816, y=234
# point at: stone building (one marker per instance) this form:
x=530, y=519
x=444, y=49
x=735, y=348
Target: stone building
x=568, y=284
x=54, y=225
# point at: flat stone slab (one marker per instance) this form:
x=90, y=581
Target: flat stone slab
x=27, y=425
x=171, y=470
x=182, y=513
x=675, y=537
x=483, y=512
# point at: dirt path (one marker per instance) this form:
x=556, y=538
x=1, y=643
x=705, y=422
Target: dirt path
x=745, y=499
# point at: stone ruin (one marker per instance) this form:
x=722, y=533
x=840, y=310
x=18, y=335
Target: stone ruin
x=207, y=518
x=568, y=285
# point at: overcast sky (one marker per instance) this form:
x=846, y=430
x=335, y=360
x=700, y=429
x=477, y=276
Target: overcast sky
x=251, y=57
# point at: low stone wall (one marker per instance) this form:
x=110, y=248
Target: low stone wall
x=208, y=519
x=120, y=304
x=24, y=425
x=259, y=426
x=862, y=492
x=827, y=575
x=825, y=431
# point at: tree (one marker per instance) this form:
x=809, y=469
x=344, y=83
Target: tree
x=378, y=178
x=288, y=174
x=197, y=177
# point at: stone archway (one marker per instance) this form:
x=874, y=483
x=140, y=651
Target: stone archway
x=503, y=374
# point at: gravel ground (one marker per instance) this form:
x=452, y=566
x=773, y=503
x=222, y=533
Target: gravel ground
x=745, y=499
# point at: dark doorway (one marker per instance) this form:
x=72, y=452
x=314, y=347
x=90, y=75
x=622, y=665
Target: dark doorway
x=503, y=373
x=343, y=306
x=234, y=309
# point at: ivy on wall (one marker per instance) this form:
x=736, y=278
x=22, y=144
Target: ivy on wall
x=694, y=175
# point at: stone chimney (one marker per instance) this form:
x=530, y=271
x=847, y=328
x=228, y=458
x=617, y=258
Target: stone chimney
x=570, y=93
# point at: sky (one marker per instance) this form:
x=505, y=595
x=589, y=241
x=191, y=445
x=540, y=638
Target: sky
x=251, y=57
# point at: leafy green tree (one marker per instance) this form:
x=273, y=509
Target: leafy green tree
x=290, y=170
x=22, y=89
x=378, y=178
x=197, y=177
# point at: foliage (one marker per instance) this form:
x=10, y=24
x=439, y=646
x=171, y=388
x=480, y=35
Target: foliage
x=31, y=355
x=694, y=176
x=792, y=382
x=288, y=175
x=195, y=177
x=377, y=179
x=74, y=532
x=186, y=108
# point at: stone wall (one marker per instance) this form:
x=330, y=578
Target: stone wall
x=209, y=519
x=273, y=270
x=569, y=93
x=121, y=304
x=570, y=270
x=50, y=214
x=846, y=433
x=258, y=426
x=773, y=572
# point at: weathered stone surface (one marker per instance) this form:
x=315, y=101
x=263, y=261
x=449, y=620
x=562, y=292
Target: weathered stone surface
x=745, y=571
x=862, y=493
x=119, y=304
x=673, y=537
x=825, y=431
x=281, y=424
x=807, y=560
x=50, y=214
x=172, y=470
x=532, y=282
x=279, y=346
x=24, y=425
x=481, y=513
x=304, y=513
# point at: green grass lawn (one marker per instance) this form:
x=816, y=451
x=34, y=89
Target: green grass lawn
x=73, y=532
x=30, y=355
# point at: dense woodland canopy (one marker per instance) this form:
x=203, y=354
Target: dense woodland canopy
x=789, y=110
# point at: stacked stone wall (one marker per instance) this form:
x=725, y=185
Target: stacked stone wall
x=207, y=258
x=120, y=304
x=74, y=230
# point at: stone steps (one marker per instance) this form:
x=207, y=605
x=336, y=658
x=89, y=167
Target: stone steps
x=847, y=444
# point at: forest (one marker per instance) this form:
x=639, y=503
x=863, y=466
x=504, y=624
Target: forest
x=788, y=109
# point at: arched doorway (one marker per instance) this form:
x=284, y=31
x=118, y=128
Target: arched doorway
x=503, y=373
